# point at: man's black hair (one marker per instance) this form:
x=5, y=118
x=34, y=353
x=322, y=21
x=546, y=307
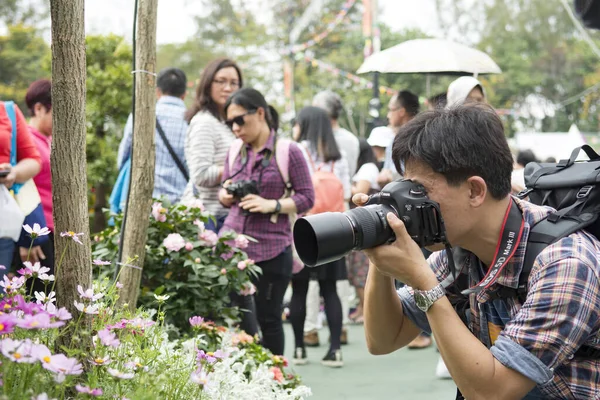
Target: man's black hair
x=172, y=82
x=524, y=157
x=460, y=142
x=409, y=101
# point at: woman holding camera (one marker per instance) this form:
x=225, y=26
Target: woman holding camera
x=314, y=132
x=255, y=169
x=208, y=137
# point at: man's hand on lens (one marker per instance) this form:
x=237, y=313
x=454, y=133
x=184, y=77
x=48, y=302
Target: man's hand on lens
x=256, y=204
x=403, y=259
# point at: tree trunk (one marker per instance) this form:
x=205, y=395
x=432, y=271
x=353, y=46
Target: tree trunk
x=69, y=180
x=142, y=168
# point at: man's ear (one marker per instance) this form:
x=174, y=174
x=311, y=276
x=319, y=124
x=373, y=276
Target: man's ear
x=477, y=191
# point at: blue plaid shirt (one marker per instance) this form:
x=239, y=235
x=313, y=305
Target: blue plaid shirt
x=168, y=179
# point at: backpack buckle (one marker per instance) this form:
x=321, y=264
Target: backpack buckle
x=524, y=193
x=584, y=191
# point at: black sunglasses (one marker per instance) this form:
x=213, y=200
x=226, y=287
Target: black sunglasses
x=239, y=120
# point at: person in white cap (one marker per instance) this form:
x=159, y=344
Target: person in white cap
x=380, y=139
x=465, y=89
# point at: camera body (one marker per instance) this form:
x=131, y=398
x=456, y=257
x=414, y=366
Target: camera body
x=241, y=189
x=327, y=237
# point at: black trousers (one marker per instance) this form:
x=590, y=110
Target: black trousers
x=270, y=289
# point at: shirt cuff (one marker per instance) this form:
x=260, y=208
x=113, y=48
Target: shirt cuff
x=410, y=309
x=515, y=356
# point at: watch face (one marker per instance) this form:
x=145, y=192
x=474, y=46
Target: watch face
x=422, y=302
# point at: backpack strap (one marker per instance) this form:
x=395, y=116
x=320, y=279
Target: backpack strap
x=282, y=158
x=9, y=106
x=234, y=150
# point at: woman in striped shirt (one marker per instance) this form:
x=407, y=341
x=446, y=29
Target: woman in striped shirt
x=208, y=138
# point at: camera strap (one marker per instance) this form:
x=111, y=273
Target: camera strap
x=510, y=237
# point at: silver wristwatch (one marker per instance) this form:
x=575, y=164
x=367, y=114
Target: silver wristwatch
x=425, y=298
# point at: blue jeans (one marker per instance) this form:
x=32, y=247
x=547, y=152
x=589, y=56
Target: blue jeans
x=7, y=248
x=211, y=226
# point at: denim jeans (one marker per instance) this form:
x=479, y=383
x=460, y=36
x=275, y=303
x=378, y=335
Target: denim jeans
x=7, y=248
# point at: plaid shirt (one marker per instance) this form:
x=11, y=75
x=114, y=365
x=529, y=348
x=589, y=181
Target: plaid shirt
x=169, y=182
x=540, y=337
x=273, y=238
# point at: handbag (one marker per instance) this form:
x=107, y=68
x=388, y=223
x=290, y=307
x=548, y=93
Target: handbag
x=12, y=216
x=25, y=194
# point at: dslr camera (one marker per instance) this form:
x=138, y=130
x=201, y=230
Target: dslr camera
x=326, y=237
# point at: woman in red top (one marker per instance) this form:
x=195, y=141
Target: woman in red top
x=28, y=165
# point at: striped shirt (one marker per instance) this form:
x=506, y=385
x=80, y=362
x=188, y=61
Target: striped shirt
x=169, y=182
x=537, y=338
x=208, y=141
x=273, y=238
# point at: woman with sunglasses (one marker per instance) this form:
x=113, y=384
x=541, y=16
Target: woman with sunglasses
x=256, y=123
x=208, y=138
x=314, y=132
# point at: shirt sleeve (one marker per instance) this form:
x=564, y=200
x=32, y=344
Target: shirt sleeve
x=125, y=145
x=26, y=147
x=304, y=192
x=438, y=263
x=557, y=318
x=200, y=152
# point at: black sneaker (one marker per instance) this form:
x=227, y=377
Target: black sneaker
x=333, y=359
x=300, y=356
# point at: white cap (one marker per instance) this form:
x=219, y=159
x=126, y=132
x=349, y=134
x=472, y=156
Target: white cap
x=382, y=136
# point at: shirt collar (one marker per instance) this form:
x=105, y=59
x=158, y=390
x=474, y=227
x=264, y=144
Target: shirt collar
x=171, y=100
x=38, y=134
x=270, y=145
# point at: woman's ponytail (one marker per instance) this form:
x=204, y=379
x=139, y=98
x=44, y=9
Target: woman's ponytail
x=272, y=118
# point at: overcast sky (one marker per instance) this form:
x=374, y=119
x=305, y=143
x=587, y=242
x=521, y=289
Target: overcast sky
x=176, y=24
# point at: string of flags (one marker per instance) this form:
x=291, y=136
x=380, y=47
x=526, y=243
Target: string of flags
x=365, y=83
x=321, y=36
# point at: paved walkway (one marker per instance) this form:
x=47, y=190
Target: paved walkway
x=405, y=374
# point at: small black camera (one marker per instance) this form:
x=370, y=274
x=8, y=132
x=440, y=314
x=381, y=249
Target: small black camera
x=326, y=237
x=241, y=189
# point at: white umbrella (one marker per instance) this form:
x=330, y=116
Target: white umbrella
x=430, y=56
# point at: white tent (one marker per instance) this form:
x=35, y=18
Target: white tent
x=549, y=144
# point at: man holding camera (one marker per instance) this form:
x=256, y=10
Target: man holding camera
x=513, y=347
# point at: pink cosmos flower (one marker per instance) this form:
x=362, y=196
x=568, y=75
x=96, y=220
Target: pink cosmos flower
x=189, y=246
x=46, y=277
x=241, y=242
x=62, y=313
x=38, y=321
x=42, y=353
x=174, y=242
x=12, y=285
x=26, y=272
x=2, y=267
x=100, y=361
x=63, y=365
x=108, y=338
x=140, y=323
x=36, y=231
x=89, y=294
x=101, y=262
x=36, y=268
x=42, y=396
x=208, y=357
x=88, y=309
x=199, y=377
x=210, y=238
x=248, y=289
x=119, y=285
x=220, y=354
x=18, y=351
x=43, y=298
x=7, y=323
x=196, y=321
x=88, y=390
x=26, y=307
x=242, y=265
x=119, y=374
x=159, y=212
x=72, y=235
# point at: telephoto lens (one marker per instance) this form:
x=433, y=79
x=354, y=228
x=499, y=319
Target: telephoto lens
x=326, y=237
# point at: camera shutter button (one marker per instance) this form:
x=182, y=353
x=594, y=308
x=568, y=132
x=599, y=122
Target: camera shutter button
x=406, y=220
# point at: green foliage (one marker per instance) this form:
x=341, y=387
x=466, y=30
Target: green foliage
x=27, y=12
x=199, y=278
x=22, y=60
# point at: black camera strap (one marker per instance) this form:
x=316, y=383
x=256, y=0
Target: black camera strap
x=510, y=237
